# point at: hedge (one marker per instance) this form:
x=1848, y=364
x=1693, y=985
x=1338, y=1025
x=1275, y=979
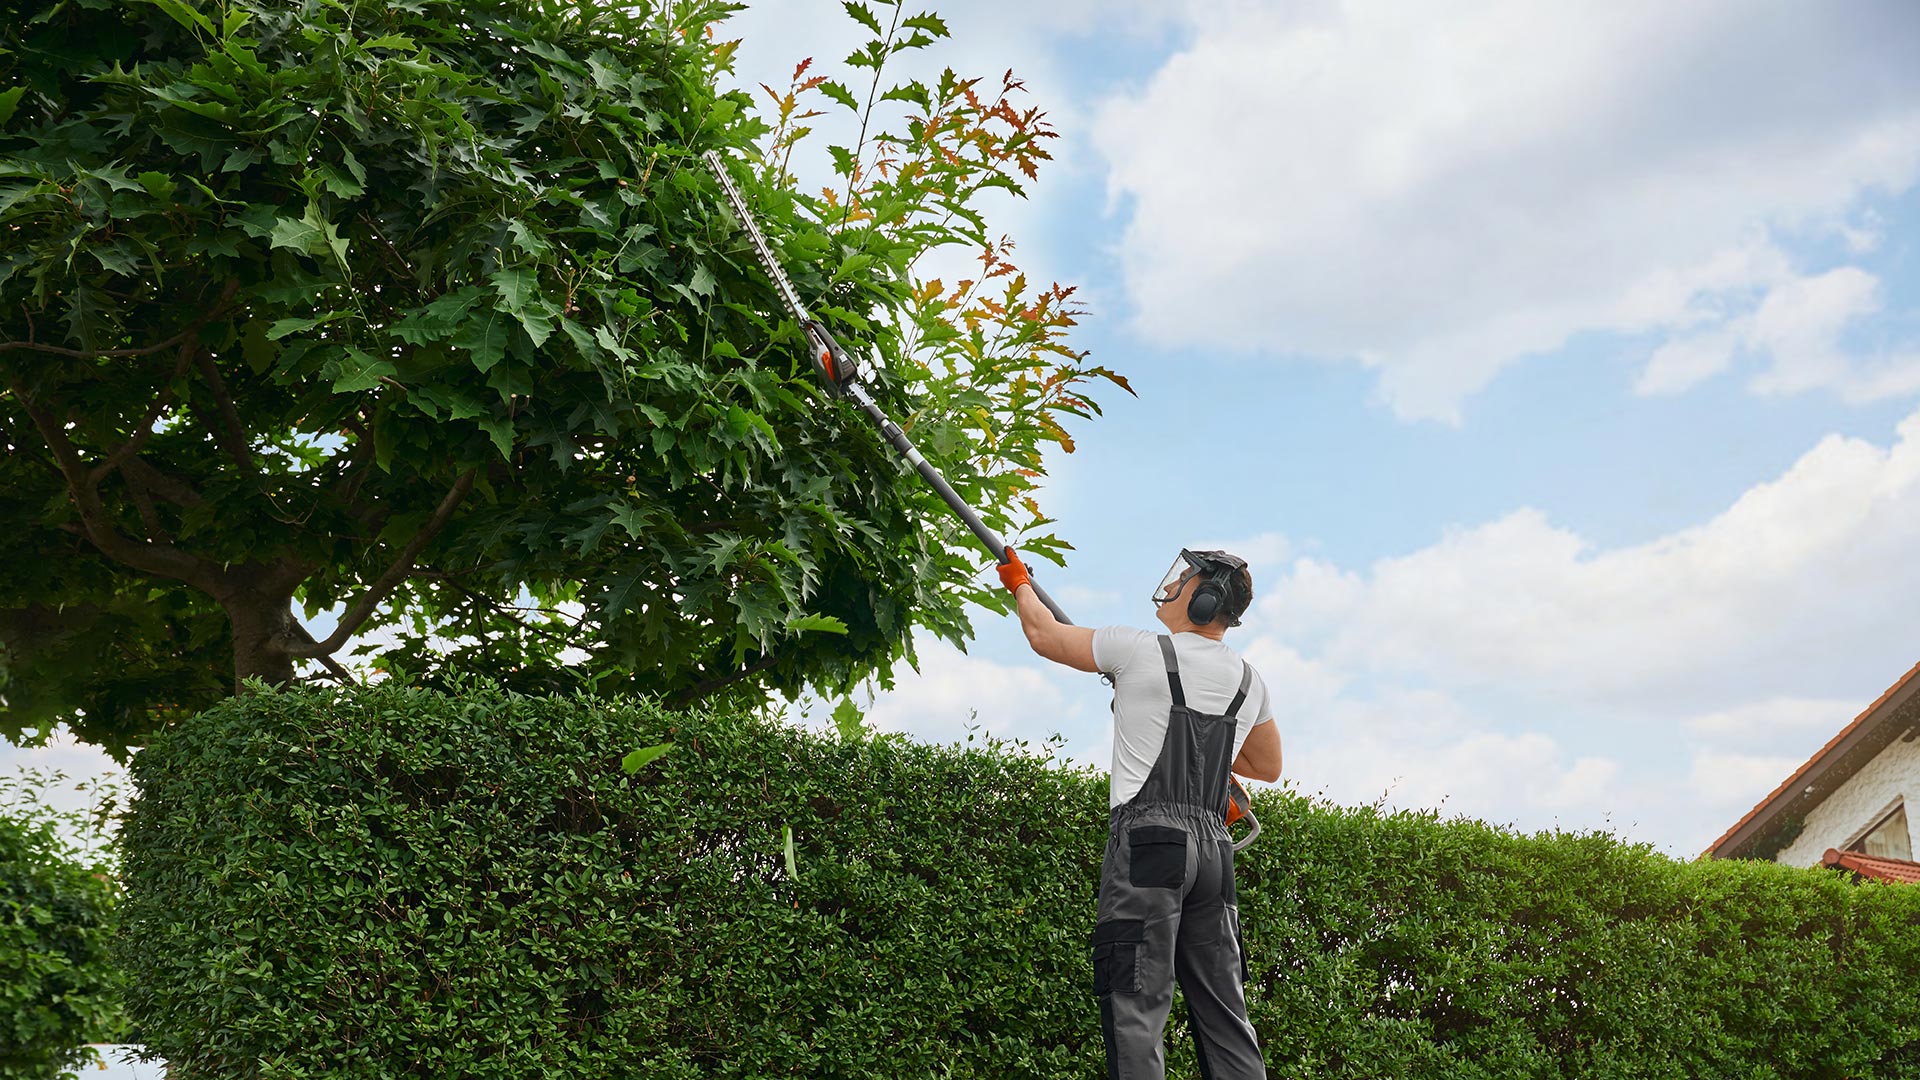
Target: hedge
x=404, y=883
x=58, y=987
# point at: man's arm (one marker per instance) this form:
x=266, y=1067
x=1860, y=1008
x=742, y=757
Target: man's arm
x=1260, y=755
x=1058, y=642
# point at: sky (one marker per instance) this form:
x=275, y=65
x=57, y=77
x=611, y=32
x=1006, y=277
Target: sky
x=1556, y=367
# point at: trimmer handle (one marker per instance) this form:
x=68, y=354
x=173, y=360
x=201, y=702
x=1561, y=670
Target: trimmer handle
x=1240, y=805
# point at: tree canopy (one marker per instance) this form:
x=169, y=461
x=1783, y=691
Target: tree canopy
x=427, y=314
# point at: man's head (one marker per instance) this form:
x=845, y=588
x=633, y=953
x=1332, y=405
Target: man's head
x=1204, y=592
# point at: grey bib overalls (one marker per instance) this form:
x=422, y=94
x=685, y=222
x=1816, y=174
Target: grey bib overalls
x=1168, y=908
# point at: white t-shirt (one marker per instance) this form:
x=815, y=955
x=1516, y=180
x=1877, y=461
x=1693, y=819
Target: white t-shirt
x=1209, y=677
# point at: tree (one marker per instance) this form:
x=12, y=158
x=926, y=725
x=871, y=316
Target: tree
x=427, y=313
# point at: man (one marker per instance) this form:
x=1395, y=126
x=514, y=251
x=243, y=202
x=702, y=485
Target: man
x=1184, y=707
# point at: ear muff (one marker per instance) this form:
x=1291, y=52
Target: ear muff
x=1207, y=596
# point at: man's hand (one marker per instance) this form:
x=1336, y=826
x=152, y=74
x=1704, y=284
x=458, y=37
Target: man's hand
x=1013, y=572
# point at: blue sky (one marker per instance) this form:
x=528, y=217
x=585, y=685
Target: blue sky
x=1557, y=366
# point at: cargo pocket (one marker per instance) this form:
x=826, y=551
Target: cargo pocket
x=1157, y=857
x=1116, y=945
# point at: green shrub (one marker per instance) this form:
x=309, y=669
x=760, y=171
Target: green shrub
x=58, y=989
x=403, y=883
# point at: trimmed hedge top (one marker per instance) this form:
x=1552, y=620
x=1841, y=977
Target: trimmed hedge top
x=404, y=883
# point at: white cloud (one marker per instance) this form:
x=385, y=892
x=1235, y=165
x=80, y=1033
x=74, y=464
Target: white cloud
x=1439, y=193
x=1768, y=584
x=1741, y=753
x=953, y=690
x=1800, y=324
x=1685, y=361
x=1424, y=749
x=1736, y=781
x=1793, y=718
x=954, y=693
x=1262, y=552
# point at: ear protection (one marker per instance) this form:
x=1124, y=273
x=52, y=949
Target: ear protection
x=1208, y=594
x=1218, y=590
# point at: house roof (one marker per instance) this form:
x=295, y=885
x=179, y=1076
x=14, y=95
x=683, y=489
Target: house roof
x=1897, y=711
x=1873, y=866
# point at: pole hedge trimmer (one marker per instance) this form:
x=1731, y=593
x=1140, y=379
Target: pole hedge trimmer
x=839, y=372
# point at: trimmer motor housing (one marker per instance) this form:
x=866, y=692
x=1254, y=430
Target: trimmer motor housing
x=834, y=364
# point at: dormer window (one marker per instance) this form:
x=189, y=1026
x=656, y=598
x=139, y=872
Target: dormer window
x=1888, y=838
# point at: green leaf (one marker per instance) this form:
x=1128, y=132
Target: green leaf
x=793, y=871
x=311, y=234
x=517, y=286
x=863, y=15
x=640, y=758
x=500, y=430
x=117, y=258
x=243, y=158
x=631, y=517
x=484, y=335
x=913, y=93
x=9, y=101
x=439, y=320
x=927, y=22
x=702, y=282
x=184, y=15
x=849, y=721
x=158, y=184
x=339, y=182
x=840, y=94
x=282, y=327
x=826, y=624
x=528, y=241
x=855, y=264
x=115, y=177
x=360, y=372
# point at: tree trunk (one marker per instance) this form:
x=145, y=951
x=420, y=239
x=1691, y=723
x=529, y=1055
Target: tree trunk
x=262, y=629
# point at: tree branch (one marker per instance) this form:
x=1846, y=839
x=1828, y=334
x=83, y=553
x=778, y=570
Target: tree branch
x=226, y=298
x=143, y=502
x=699, y=690
x=144, y=430
x=363, y=608
x=161, y=559
x=333, y=666
x=233, y=439
x=506, y=611
x=176, y=491
x=391, y=251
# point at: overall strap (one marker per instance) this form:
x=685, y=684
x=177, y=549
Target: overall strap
x=1246, y=680
x=1173, y=672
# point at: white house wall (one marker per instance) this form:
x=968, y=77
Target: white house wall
x=1892, y=774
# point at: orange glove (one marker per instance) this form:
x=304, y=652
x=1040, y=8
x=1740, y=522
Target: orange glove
x=1013, y=572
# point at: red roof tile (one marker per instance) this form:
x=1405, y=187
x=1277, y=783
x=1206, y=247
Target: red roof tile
x=1873, y=866
x=1790, y=782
